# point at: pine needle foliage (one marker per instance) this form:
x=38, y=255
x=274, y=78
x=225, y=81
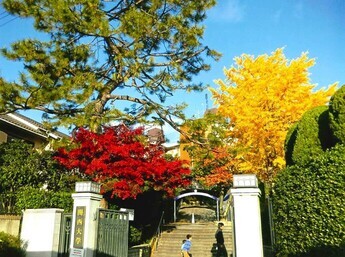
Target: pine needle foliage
x=100, y=61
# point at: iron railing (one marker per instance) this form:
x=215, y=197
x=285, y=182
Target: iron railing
x=65, y=234
x=155, y=240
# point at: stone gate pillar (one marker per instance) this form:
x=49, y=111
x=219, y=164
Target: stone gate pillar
x=84, y=223
x=247, y=239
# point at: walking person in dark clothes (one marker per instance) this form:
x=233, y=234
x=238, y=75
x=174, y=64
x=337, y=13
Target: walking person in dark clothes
x=221, y=250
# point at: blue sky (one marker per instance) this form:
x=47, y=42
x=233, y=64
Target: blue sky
x=253, y=27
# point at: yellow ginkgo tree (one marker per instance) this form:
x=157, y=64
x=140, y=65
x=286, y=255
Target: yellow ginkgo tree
x=262, y=97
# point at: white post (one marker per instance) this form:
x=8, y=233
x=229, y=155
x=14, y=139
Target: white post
x=174, y=210
x=247, y=218
x=84, y=225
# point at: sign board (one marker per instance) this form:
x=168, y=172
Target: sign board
x=78, y=240
x=76, y=252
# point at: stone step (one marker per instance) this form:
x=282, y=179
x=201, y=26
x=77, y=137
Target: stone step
x=203, y=240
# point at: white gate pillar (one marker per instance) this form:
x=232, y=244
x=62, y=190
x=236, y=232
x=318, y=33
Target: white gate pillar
x=84, y=223
x=247, y=239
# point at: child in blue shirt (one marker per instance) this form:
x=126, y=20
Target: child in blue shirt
x=186, y=245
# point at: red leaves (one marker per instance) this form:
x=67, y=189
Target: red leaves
x=124, y=162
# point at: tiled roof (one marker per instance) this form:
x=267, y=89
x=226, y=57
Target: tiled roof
x=212, y=110
x=155, y=135
x=31, y=125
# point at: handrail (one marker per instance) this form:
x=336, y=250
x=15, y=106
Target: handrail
x=227, y=212
x=156, y=237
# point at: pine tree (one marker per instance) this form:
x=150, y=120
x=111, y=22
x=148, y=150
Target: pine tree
x=105, y=61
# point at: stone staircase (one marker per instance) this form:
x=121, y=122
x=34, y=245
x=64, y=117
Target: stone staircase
x=203, y=240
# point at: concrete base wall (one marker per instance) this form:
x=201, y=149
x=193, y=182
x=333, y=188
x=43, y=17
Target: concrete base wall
x=41, y=231
x=10, y=224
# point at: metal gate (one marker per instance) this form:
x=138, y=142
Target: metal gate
x=65, y=234
x=112, y=234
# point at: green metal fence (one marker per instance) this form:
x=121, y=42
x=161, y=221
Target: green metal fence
x=112, y=235
x=65, y=234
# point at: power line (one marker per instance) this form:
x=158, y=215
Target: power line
x=206, y=99
x=3, y=12
x=3, y=17
x=3, y=24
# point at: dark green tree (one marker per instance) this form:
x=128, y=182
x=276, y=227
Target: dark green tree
x=107, y=60
x=309, y=207
x=309, y=137
x=308, y=196
x=337, y=115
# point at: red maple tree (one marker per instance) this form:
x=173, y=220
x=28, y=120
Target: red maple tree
x=123, y=162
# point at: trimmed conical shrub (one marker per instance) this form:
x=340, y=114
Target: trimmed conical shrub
x=309, y=137
x=337, y=115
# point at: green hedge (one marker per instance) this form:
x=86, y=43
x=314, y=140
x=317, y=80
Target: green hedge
x=35, y=198
x=309, y=137
x=11, y=246
x=309, y=207
x=337, y=115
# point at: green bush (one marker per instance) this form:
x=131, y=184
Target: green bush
x=134, y=236
x=35, y=198
x=309, y=207
x=62, y=200
x=337, y=115
x=11, y=246
x=18, y=168
x=24, y=172
x=309, y=137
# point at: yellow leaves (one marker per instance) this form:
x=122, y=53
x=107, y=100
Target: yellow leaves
x=219, y=177
x=245, y=166
x=322, y=96
x=263, y=97
x=279, y=162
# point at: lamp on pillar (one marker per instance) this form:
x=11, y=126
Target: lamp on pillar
x=245, y=180
x=87, y=187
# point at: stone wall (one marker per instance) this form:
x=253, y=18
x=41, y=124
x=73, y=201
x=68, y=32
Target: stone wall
x=10, y=224
x=139, y=251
